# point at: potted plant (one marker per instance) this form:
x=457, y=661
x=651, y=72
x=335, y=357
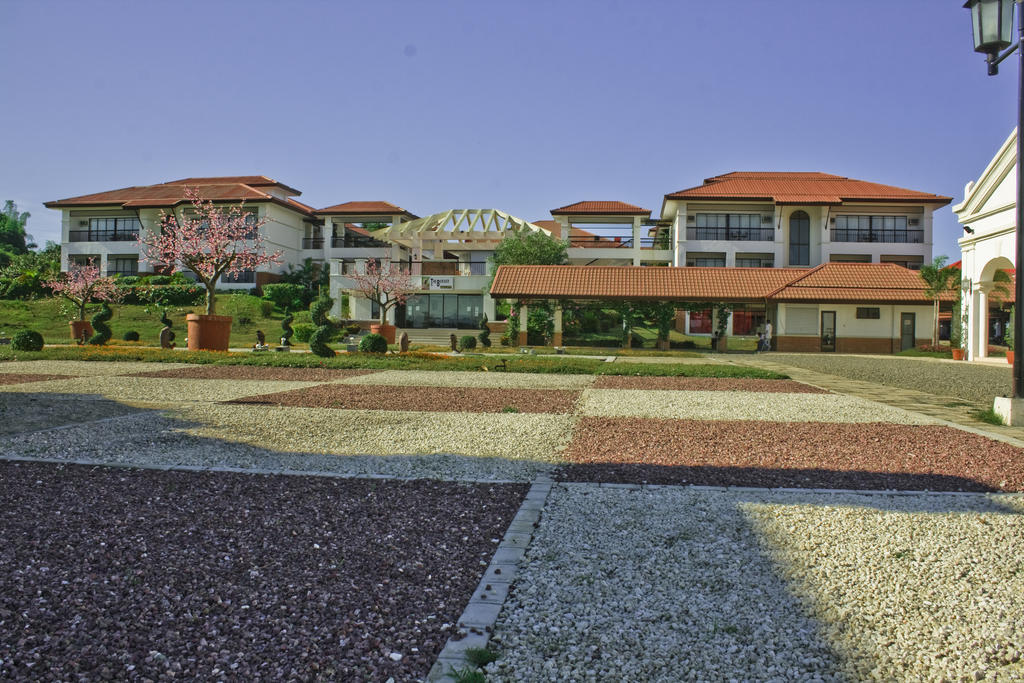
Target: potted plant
x=387, y=286
x=211, y=242
x=81, y=285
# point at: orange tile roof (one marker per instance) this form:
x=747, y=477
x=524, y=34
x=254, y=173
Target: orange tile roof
x=363, y=209
x=600, y=209
x=639, y=282
x=867, y=282
x=801, y=188
x=166, y=195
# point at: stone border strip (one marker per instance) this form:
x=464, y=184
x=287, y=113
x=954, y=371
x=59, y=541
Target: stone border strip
x=477, y=620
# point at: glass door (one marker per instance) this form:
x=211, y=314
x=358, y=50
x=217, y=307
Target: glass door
x=907, y=330
x=828, y=330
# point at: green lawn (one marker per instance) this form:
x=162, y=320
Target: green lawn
x=45, y=317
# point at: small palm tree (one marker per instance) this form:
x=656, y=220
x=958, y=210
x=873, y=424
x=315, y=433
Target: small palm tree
x=938, y=279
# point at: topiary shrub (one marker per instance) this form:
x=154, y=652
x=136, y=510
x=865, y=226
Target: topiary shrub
x=303, y=331
x=467, y=343
x=286, y=329
x=353, y=328
x=158, y=280
x=373, y=343
x=27, y=340
x=131, y=335
x=485, y=332
x=318, y=340
x=102, y=330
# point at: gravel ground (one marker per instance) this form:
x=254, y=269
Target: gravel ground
x=158, y=390
x=796, y=454
x=83, y=368
x=250, y=372
x=22, y=377
x=142, y=575
x=706, y=384
x=967, y=381
x=680, y=584
x=431, y=399
x=742, y=405
x=480, y=380
x=323, y=430
x=28, y=412
x=150, y=439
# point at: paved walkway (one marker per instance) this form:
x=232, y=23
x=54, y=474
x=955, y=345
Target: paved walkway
x=951, y=409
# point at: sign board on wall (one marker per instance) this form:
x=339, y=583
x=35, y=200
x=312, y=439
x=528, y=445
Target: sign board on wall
x=441, y=282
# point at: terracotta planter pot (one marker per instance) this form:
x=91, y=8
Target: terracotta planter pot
x=208, y=332
x=386, y=331
x=1009, y=357
x=958, y=354
x=80, y=327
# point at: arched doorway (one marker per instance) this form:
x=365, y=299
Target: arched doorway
x=986, y=299
x=799, y=239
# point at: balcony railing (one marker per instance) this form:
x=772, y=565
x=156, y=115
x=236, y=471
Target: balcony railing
x=618, y=243
x=731, y=234
x=357, y=242
x=102, y=236
x=896, y=236
x=312, y=242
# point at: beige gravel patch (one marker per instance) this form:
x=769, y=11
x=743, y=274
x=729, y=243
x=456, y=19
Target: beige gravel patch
x=156, y=390
x=904, y=594
x=478, y=380
x=742, y=405
x=376, y=432
x=81, y=368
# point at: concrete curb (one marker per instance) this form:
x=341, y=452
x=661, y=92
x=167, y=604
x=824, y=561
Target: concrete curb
x=477, y=621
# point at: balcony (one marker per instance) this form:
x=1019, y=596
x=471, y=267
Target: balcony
x=731, y=234
x=312, y=242
x=352, y=241
x=889, y=236
x=102, y=236
x=618, y=243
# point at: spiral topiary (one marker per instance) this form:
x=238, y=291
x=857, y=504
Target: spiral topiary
x=318, y=340
x=485, y=332
x=99, y=325
x=373, y=343
x=164, y=319
x=286, y=328
x=27, y=340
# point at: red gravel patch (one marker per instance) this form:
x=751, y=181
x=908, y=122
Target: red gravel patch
x=255, y=372
x=787, y=386
x=428, y=399
x=22, y=378
x=791, y=454
x=138, y=574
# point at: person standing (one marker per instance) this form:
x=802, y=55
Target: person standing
x=767, y=335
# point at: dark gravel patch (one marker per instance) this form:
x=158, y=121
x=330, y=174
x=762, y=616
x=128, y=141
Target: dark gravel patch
x=429, y=399
x=706, y=384
x=141, y=574
x=24, y=377
x=968, y=381
x=791, y=454
x=255, y=372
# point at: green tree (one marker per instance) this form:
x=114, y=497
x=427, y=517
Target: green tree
x=938, y=279
x=13, y=238
x=531, y=249
x=374, y=226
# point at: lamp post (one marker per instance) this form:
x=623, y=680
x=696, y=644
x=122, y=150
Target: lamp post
x=992, y=21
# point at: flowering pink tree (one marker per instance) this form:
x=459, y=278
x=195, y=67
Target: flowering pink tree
x=387, y=285
x=211, y=242
x=82, y=284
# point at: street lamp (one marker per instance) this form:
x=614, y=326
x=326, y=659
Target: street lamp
x=992, y=21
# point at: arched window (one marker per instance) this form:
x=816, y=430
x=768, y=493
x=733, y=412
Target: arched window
x=799, y=239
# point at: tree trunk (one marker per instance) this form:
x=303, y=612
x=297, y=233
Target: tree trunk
x=211, y=298
x=935, y=327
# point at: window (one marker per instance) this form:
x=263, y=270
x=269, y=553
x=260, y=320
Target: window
x=730, y=226
x=122, y=266
x=706, y=260
x=124, y=229
x=755, y=261
x=244, y=276
x=874, y=229
x=799, y=239
x=868, y=313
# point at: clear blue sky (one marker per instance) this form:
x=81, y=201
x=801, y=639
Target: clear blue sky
x=522, y=106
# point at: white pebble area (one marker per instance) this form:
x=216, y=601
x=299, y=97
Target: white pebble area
x=673, y=583
x=82, y=368
x=514, y=436
x=476, y=380
x=161, y=390
x=741, y=405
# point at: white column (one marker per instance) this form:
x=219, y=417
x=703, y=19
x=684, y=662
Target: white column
x=566, y=226
x=524, y=316
x=679, y=236
x=558, y=325
x=328, y=233
x=979, y=320
x=636, y=240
